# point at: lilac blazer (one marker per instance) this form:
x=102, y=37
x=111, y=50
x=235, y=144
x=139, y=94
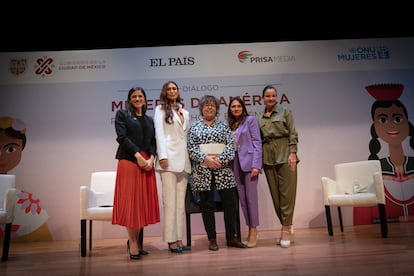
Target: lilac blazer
x=249, y=144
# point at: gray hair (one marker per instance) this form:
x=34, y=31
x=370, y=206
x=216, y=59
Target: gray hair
x=209, y=99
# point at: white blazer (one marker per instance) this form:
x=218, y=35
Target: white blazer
x=172, y=141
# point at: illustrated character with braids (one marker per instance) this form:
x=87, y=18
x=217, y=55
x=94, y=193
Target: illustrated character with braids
x=391, y=125
x=30, y=218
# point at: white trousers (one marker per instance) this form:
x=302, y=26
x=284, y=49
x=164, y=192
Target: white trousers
x=174, y=187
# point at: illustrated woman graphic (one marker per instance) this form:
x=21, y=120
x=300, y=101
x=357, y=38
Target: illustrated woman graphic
x=391, y=125
x=30, y=218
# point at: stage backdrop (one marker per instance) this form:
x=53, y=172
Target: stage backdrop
x=65, y=103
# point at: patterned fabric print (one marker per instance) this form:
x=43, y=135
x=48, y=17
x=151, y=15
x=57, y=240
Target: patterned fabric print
x=217, y=132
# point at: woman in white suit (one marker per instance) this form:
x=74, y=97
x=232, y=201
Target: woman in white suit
x=171, y=125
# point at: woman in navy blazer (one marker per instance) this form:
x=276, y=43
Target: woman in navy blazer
x=247, y=163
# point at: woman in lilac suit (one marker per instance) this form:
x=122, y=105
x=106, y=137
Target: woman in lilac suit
x=247, y=163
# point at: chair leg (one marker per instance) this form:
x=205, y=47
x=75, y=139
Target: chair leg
x=90, y=234
x=383, y=220
x=83, y=237
x=329, y=219
x=6, y=242
x=188, y=225
x=341, y=224
x=141, y=238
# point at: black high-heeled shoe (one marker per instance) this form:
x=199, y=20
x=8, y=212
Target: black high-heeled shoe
x=133, y=256
x=141, y=249
x=143, y=252
x=140, y=240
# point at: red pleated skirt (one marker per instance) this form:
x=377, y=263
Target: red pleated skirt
x=136, y=196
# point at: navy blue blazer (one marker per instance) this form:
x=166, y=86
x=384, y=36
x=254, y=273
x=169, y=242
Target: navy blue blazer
x=133, y=135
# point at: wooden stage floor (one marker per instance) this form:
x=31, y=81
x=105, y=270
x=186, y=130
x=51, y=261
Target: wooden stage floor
x=360, y=250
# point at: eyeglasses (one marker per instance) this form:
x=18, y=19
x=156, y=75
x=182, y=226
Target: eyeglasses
x=210, y=105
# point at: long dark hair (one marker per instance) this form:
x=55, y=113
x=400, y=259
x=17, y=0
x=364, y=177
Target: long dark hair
x=165, y=102
x=231, y=119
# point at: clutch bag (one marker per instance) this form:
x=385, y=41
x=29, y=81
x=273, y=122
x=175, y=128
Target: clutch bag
x=212, y=149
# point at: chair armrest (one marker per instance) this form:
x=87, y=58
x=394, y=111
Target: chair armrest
x=379, y=187
x=87, y=200
x=9, y=204
x=328, y=188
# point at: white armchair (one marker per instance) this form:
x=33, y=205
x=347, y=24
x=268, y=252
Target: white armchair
x=357, y=183
x=7, y=205
x=96, y=203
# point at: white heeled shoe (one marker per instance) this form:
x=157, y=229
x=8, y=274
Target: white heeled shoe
x=286, y=243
